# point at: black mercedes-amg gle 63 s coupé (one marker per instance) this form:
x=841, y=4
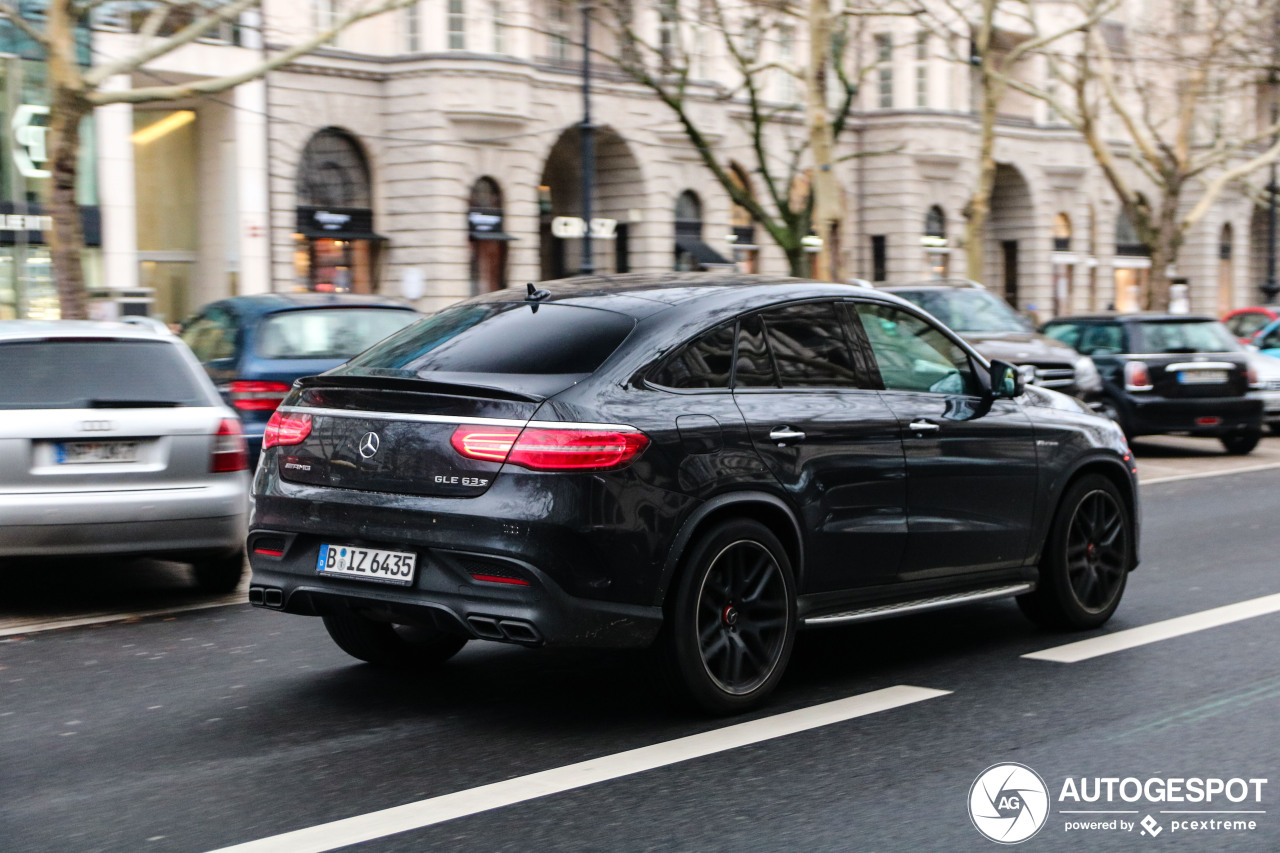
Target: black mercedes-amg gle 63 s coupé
x=705, y=463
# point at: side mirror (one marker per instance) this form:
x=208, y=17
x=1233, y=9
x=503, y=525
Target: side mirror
x=1007, y=381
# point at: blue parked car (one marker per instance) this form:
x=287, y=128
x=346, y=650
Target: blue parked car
x=254, y=347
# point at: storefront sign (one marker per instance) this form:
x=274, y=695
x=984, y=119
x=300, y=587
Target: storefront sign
x=339, y=223
x=331, y=221
x=30, y=150
x=28, y=222
x=573, y=227
x=484, y=222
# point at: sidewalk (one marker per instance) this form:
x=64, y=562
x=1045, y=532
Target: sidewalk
x=1167, y=457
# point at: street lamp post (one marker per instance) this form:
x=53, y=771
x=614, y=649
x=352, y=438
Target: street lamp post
x=588, y=143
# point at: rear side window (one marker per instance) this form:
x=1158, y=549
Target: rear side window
x=809, y=346
x=82, y=374
x=211, y=336
x=326, y=333
x=707, y=362
x=1184, y=336
x=502, y=337
x=753, y=368
x=1103, y=339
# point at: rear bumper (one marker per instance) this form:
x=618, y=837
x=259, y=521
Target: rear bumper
x=145, y=521
x=444, y=595
x=1161, y=415
x=588, y=548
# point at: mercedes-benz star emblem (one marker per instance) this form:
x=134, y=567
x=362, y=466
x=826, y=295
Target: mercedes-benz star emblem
x=369, y=445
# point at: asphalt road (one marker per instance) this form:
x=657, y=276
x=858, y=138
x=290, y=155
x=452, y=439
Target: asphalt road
x=215, y=727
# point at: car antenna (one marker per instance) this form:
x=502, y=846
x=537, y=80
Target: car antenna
x=536, y=295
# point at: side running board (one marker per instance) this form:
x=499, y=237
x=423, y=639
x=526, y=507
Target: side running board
x=884, y=611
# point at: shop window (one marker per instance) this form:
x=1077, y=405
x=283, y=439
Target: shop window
x=936, y=248
x=488, y=237
x=337, y=249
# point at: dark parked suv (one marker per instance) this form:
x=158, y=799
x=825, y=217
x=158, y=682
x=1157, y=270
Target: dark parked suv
x=704, y=461
x=1169, y=373
x=997, y=331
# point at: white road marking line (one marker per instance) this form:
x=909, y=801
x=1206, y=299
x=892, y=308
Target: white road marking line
x=367, y=827
x=1156, y=631
x=106, y=618
x=1174, y=478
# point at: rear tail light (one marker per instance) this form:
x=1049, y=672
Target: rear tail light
x=551, y=449
x=257, y=396
x=1137, y=377
x=1252, y=374
x=230, y=453
x=286, y=429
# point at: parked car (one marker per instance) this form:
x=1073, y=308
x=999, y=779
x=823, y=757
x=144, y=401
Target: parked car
x=254, y=347
x=703, y=461
x=997, y=331
x=114, y=441
x=1169, y=373
x=1265, y=386
x=1245, y=323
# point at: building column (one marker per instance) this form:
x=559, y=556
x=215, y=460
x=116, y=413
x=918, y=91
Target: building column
x=116, y=191
x=251, y=180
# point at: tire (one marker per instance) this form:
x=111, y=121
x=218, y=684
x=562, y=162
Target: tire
x=1240, y=443
x=731, y=618
x=384, y=644
x=1086, y=559
x=220, y=574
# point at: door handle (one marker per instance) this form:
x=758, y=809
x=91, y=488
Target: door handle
x=785, y=434
x=923, y=426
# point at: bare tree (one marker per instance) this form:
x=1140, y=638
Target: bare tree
x=74, y=91
x=1167, y=107
x=792, y=109
x=1001, y=41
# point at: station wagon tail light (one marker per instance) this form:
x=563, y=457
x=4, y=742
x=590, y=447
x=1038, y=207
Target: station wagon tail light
x=255, y=396
x=1137, y=377
x=1251, y=373
x=286, y=429
x=550, y=448
x=230, y=453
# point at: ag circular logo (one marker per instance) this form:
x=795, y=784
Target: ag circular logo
x=1008, y=803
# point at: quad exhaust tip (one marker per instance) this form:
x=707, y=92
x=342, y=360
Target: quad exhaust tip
x=266, y=596
x=508, y=630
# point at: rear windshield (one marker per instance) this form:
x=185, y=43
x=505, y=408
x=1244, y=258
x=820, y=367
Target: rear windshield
x=968, y=310
x=1173, y=336
x=504, y=337
x=86, y=374
x=327, y=332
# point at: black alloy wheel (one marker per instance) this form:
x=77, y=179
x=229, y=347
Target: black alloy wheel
x=732, y=626
x=1086, y=561
x=385, y=644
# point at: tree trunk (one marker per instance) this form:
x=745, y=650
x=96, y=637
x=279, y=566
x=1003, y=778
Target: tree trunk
x=980, y=201
x=797, y=260
x=66, y=109
x=1166, y=241
x=826, y=193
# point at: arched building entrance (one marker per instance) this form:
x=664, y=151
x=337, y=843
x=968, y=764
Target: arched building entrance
x=337, y=249
x=617, y=184
x=1010, y=234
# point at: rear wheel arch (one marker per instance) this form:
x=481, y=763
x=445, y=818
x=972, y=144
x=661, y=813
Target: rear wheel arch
x=767, y=509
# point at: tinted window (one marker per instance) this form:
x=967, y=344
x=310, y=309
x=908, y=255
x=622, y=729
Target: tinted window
x=705, y=363
x=1271, y=340
x=809, y=346
x=1248, y=324
x=1175, y=336
x=753, y=368
x=968, y=310
x=1068, y=333
x=1102, y=339
x=326, y=332
x=502, y=337
x=913, y=355
x=96, y=373
x=211, y=336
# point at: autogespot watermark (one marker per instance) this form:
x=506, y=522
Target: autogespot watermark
x=1009, y=803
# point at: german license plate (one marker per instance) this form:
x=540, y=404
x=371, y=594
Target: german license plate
x=368, y=564
x=89, y=452
x=1202, y=377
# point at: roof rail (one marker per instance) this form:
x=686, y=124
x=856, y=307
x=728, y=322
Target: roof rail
x=155, y=325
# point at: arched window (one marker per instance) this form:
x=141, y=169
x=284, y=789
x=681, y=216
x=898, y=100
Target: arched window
x=333, y=172
x=689, y=214
x=935, y=223
x=691, y=252
x=937, y=252
x=488, y=237
x=337, y=249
